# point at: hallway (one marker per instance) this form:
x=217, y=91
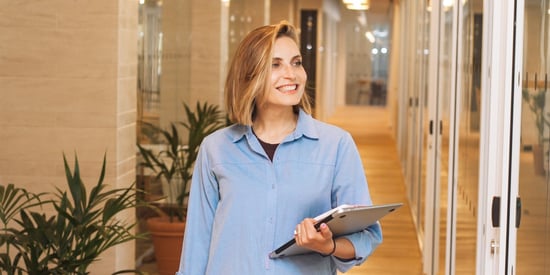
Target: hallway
x=399, y=253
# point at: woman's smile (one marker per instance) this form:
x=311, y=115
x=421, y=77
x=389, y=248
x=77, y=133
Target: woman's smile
x=288, y=89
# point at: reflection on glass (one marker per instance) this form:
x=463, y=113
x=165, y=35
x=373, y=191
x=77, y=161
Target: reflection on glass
x=468, y=140
x=163, y=75
x=533, y=235
x=164, y=63
x=367, y=56
x=423, y=46
x=149, y=67
x=445, y=68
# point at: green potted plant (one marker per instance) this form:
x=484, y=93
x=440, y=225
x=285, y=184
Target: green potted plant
x=536, y=102
x=83, y=227
x=174, y=165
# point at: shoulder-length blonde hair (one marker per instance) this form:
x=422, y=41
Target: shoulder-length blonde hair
x=249, y=78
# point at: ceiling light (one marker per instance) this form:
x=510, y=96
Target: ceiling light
x=356, y=4
x=447, y=3
x=370, y=37
x=361, y=7
x=348, y=2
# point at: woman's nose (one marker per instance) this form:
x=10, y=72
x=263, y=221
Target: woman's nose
x=289, y=72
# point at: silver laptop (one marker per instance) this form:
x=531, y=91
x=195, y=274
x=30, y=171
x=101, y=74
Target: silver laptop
x=342, y=220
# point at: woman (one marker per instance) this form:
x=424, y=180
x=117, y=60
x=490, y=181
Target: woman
x=262, y=178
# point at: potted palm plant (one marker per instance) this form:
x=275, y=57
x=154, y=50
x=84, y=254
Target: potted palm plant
x=68, y=242
x=536, y=102
x=173, y=165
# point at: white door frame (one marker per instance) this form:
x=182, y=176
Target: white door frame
x=450, y=264
x=499, y=142
x=432, y=198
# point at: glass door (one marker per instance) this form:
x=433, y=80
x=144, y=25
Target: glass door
x=413, y=117
x=442, y=68
x=533, y=234
x=445, y=64
x=500, y=137
x=418, y=112
x=468, y=138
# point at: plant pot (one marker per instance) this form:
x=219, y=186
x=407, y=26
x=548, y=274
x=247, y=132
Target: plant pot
x=167, y=240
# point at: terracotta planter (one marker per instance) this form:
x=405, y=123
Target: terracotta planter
x=167, y=239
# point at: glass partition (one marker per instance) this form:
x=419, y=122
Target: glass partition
x=444, y=100
x=368, y=36
x=423, y=45
x=469, y=100
x=533, y=235
x=163, y=74
x=164, y=47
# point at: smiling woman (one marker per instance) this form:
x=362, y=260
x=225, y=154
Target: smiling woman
x=279, y=159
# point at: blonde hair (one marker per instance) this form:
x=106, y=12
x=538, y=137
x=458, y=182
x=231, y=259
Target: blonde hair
x=249, y=78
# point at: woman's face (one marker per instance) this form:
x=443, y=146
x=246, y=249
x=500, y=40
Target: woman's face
x=288, y=77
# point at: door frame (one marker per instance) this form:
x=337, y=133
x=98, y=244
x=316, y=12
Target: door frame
x=499, y=139
x=432, y=201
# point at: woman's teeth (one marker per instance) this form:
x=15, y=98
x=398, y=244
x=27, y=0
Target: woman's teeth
x=288, y=88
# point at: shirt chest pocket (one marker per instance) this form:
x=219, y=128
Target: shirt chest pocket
x=305, y=181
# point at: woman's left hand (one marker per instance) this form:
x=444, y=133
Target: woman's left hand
x=308, y=236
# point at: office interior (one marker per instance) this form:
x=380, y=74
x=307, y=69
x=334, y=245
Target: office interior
x=464, y=83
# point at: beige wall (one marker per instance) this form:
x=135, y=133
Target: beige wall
x=205, y=76
x=283, y=10
x=68, y=85
x=176, y=55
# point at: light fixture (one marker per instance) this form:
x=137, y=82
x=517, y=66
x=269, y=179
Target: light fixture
x=370, y=37
x=356, y=4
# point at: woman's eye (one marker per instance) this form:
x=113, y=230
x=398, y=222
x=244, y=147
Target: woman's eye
x=275, y=65
x=298, y=63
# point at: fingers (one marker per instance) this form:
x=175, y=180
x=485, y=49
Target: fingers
x=308, y=236
x=325, y=231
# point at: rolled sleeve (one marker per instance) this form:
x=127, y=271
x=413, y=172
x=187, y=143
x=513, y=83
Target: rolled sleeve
x=364, y=242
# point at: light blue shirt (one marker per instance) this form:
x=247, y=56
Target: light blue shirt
x=242, y=206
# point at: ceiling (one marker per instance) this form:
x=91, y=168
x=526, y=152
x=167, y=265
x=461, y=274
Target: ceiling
x=379, y=15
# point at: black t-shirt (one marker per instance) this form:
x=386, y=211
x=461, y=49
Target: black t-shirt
x=269, y=148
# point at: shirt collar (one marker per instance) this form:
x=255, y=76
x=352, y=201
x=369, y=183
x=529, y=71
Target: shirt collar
x=304, y=127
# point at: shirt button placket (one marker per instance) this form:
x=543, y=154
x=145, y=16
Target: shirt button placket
x=272, y=207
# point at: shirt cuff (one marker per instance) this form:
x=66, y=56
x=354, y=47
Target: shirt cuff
x=364, y=242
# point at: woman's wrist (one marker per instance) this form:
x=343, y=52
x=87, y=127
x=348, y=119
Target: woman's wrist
x=333, y=249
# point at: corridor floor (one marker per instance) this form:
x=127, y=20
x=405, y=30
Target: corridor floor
x=370, y=128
